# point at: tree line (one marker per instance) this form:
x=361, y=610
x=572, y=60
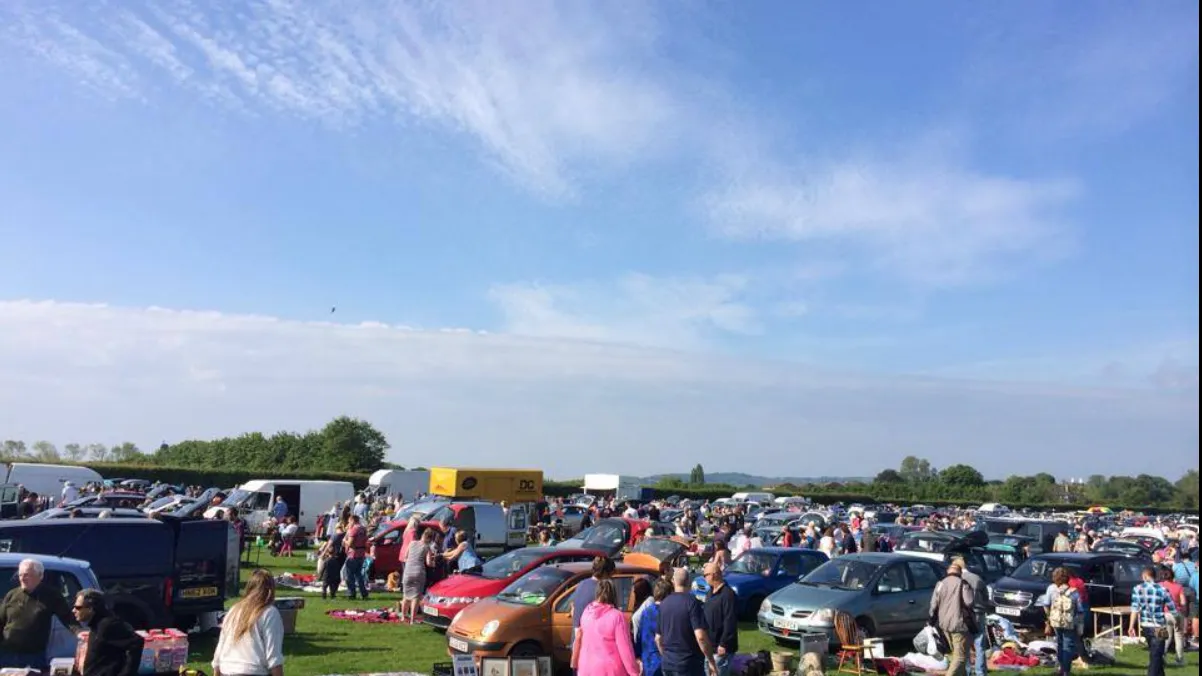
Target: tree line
x=344, y=445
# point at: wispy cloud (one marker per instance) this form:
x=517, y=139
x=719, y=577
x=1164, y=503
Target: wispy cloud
x=84, y=373
x=922, y=215
x=547, y=89
x=637, y=309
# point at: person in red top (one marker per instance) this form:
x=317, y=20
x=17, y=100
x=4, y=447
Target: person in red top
x=1176, y=622
x=1075, y=582
x=356, y=553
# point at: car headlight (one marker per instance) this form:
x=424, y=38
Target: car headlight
x=766, y=607
x=490, y=628
x=989, y=591
x=823, y=616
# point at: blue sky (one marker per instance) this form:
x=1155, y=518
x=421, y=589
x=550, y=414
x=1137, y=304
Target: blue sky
x=667, y=232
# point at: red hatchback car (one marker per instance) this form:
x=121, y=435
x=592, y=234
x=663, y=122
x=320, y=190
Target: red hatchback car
x=445, y=599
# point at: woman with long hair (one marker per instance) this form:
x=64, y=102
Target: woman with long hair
x=605, y=647
x=413, y=582
x=252, y=633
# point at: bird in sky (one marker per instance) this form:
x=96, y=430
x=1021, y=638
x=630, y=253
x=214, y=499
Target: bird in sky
x=333, y=308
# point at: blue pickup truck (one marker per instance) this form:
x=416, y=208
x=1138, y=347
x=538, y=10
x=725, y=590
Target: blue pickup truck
x=69, y=576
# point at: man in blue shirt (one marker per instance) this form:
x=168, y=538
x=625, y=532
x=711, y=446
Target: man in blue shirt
x=1149, y=604
x=684, y=644
x=280, y=509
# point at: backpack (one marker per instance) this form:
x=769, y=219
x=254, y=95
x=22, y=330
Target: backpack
x=1062, y=612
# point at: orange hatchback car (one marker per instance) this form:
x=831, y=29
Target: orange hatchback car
x=532, y=616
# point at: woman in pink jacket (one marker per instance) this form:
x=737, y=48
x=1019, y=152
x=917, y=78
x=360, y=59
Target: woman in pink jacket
x=605, y=647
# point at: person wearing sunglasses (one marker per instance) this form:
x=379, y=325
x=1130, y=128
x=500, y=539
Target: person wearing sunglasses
x=114, y=649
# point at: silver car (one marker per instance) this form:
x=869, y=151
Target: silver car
x=889, y=595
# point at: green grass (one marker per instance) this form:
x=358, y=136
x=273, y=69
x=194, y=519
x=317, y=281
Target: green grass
x=322, y=645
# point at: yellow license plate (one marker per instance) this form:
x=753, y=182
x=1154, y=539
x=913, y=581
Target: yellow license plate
x=198, y=592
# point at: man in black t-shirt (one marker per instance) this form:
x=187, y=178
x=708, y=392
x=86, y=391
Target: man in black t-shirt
x=681, y=637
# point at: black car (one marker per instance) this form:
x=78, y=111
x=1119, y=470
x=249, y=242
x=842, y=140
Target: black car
x=943, y=546
x=1042, y=532
x=1109, y=580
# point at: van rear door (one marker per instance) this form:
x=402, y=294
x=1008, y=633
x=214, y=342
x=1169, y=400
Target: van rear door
x=202, y=562
x=10, y=501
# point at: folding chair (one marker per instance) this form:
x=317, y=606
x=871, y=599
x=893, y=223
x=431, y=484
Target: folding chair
x=852, y=650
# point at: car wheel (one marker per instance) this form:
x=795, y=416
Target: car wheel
x=526, y=649
x=866, y=626
x=753, y=608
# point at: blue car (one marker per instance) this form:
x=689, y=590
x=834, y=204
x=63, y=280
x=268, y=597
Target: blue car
x=757, y=573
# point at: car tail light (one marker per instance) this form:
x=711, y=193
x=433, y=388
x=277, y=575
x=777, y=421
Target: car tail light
x=168, y=592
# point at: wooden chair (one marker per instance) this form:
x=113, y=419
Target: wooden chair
x=851, y=646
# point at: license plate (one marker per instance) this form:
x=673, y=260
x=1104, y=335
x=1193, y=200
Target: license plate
x=198, y=592
x=430, y=610
x=457, y=645
x=1009, y=612
x=791, y=625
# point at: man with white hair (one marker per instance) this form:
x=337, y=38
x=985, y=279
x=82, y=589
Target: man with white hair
x=26, y=616
x=70, y=492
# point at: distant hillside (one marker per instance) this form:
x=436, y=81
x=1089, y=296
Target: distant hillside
x=741, y=479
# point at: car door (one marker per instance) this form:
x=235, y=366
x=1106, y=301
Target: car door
x=891, y=600
x=924, y=575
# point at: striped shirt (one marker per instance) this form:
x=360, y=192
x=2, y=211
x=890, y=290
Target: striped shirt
x=1150, y=600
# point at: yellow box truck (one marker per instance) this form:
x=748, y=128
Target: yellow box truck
x=496, y=485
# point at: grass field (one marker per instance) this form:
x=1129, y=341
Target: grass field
x=322, y=645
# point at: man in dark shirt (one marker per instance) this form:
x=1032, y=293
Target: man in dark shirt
x=681, y=636
x=25, y=618
x=721, y=619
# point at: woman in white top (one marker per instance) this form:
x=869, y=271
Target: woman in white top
x=252, y=633
x=827, y=544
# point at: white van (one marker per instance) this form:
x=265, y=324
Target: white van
x=407, y=483
x=306, y=500
x=758, y=498
x=48, y=479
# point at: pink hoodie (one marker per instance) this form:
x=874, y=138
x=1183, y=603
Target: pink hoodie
x=605, y=644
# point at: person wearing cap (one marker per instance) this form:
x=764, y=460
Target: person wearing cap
x=681, y=636
x=952, y=612
x=721, y=619
x=980, y=608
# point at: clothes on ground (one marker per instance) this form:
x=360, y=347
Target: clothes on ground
x=374, y=616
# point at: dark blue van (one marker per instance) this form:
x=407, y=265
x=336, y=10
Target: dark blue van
x=156, y=572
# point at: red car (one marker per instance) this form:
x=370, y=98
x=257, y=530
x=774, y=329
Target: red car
x=445, y=599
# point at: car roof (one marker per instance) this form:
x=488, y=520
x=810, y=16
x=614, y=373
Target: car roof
x=879, y=558
x=15, y=558
x=1078, y=557
x=588, y=568
x=68, y=523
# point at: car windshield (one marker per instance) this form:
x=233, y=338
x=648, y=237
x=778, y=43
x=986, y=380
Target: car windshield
x=606, y=535
x=923, y=542
x=506, y=565
x=754, y=563
x=1041, y=569
x=661, y=548
x=535, y=587
x=842, y=574
x=237, y=498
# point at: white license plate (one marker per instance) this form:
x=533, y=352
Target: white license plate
x=1009, y=612
x=457, y=645
x=430, y=610
x=791, y=625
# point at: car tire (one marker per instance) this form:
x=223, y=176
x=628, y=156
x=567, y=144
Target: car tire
x=526, y=649
x=753, y=608
x=866, y=625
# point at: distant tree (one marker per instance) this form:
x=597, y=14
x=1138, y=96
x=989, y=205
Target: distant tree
x=74, y=452
x=697, y=476
x=917, y=469
x=44, y=451
x=352, y=445
x=962, y=476
x=15, y=450
x=1044, y=478
x=98, y=452
x=1187, y=490
x=889, y=476
x=125, y=452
